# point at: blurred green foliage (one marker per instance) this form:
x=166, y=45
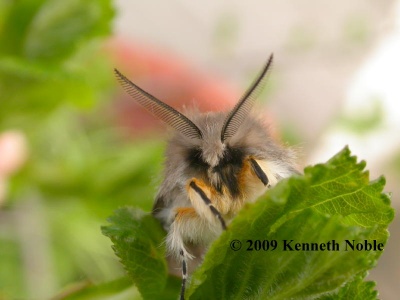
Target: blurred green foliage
x=357, y=30
x=49, y=56
x=302, y=38
x=56, y=86
x=366, y=121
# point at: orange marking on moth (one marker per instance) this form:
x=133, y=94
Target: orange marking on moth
x=199, y=183
x=244, y=174
x=185, y=213
x=218, y=201
x=210, y=192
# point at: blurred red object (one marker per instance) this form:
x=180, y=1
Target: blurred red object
x=169, y=79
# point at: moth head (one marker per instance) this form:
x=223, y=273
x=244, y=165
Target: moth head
x=218, y=132
x=212, y=138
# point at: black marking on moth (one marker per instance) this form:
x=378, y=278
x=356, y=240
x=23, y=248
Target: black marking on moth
x=228, y=169
x=259, y=172
x=184, y=275
x=195, y=159
x=208, y=202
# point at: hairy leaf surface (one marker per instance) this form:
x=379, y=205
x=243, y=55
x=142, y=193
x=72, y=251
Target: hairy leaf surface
x=314, y=220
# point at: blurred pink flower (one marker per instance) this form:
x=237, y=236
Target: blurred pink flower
x=13, y=154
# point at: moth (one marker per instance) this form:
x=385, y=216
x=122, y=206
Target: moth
x=215, y=162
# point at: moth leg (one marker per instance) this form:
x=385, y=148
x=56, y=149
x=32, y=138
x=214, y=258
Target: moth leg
x=259, y=172
x=180, y=230
x=186, y=227
x=201, y=202
x=184, y=275
x=199, y=224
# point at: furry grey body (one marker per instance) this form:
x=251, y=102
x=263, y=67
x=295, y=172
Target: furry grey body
x=215, y=163
x=252, y=138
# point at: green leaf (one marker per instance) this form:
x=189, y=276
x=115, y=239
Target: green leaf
x=61, y=26
x=120, y=288
x=53, y=29
x=37, y=89
x=86, y=290
x=306, y=228
x=138, y=242
x=355, y=290
x=51, y=55
x=16, y=19
x=332, y=201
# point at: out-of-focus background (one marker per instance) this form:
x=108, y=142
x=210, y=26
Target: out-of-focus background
x=73, y=147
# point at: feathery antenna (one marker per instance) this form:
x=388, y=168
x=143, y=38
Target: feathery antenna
x=241, y=110
x=159, y=109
